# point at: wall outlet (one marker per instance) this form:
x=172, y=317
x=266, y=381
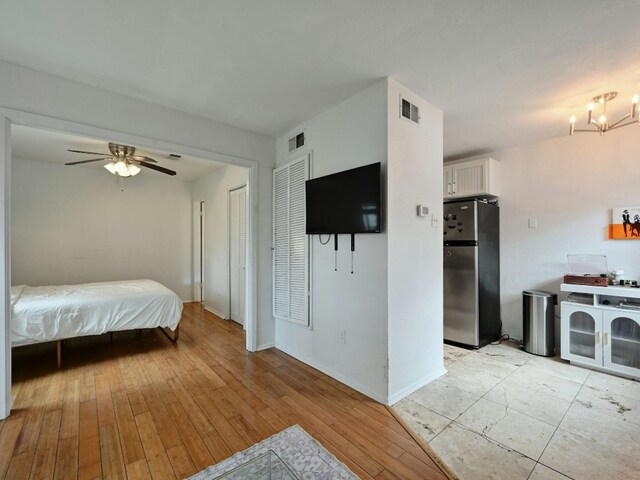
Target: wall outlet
x=533, y=223
x=435, y=221
x=343, y=337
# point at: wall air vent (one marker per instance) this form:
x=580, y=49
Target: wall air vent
x=296, y=142
x=409, y=111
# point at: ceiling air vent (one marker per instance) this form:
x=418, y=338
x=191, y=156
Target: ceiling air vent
x=296, y=142
x=409, y=111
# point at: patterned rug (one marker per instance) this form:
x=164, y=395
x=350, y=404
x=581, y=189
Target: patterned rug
x=290, y=454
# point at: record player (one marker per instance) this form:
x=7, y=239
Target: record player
x=587, y=270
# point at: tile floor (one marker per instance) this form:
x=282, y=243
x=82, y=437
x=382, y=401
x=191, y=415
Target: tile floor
x=505, y=414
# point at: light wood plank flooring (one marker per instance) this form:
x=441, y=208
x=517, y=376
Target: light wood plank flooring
x=140, y=407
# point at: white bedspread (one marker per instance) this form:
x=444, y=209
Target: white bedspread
x=43, y=314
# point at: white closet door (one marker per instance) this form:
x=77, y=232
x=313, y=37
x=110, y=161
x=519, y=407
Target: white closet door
x=290, y=243
x=237, y=254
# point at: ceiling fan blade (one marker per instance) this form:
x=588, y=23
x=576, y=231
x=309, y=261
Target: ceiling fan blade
x=155, y=167
x=90, y=153
x=87, y=161
x=139, y=158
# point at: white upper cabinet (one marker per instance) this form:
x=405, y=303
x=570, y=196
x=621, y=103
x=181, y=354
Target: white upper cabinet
x=471, y=177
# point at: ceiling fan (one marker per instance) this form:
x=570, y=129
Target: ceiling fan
x=124, y=162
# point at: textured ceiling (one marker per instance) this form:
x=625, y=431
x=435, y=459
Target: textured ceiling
x=504, y=72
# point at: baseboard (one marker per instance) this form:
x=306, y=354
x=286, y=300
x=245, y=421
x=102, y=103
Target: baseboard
x=218, y=314
x=408, y=390
x=333, y=374
x=265, y=346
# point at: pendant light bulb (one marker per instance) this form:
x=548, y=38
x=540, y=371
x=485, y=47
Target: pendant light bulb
x=133, y=169
x=121, y=168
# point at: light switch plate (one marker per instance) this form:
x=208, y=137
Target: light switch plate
x=435, y=221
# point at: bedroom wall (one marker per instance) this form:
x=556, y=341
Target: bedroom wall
x=31, y=91
x=75, y=225
x=349, y=135
x=569, y=185
x=214, y=191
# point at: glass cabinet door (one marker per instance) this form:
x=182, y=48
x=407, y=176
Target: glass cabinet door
x=622, y=341
x=581, y=334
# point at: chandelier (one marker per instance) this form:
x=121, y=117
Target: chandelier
x=604, y=124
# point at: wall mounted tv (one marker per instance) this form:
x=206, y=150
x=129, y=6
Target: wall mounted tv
x=345, y=202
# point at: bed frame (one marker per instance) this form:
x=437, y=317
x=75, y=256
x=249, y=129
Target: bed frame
x=173, y=336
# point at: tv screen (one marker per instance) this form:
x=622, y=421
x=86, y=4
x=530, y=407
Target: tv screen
x=345, y=202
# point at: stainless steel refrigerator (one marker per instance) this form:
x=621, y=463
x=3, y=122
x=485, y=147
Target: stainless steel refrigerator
x=471, y=272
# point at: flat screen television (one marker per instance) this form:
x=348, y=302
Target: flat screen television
x=345, y=202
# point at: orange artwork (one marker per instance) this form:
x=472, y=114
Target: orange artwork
x=625, y=223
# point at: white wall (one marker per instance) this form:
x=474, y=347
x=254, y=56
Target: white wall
x=214, y=191
x=349, y=135
x=414, y=176
x=35, y=92
x=74, y=225
x=570, y=185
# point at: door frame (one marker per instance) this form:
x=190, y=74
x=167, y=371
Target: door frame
x=244, y=185
x=9, y=117
x=198, y=250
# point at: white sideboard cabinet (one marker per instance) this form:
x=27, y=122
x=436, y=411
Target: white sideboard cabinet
x=600, y=334
x=466, y=178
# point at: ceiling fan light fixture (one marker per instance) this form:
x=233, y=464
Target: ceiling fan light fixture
x=123, y=161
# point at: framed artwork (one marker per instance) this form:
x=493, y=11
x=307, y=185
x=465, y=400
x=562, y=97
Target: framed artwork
x=625, y=223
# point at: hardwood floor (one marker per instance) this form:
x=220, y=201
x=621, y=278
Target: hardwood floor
x=141, y=407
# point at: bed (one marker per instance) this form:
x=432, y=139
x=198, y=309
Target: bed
x=55, y=313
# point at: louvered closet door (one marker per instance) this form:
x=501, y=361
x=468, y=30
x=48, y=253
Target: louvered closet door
x=237, y=254
x=290, y=243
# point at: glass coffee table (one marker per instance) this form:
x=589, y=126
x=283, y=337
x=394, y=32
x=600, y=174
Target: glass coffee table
x=268, y=466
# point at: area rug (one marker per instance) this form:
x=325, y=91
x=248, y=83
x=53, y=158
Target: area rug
x=301, y=453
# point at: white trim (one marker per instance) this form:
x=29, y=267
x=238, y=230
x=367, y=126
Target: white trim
x=333, y=374
x=216, y=313
x=265, y=346
x=9, y=116
x=5, y=264
x=198, y=253
x=396, y=397
x=251, y=313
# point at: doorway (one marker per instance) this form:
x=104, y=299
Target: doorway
x=8, y=118
x=237, y=253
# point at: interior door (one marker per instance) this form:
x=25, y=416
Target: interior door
x=237, y=254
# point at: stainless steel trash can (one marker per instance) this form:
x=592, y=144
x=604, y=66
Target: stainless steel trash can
x=538, y=316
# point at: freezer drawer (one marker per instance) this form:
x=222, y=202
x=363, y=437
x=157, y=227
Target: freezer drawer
x=461, y=295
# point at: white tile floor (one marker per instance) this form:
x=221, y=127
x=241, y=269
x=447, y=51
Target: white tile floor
x=505, y=414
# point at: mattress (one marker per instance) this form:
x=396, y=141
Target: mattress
x=43, y=314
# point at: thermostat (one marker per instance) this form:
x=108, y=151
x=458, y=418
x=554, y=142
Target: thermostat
x=422, y=210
